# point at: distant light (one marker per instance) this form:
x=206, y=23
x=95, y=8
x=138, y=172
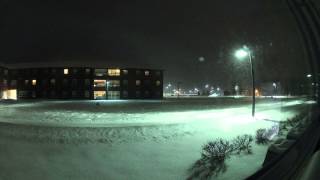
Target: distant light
x=274, y=85
x=309, y=75
x=241, y=53
x=218, y=89
x=207, y=86
x=201, y=59
x=65, y=71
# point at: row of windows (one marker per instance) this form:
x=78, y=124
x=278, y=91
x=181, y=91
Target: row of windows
x=86, y=94
x=98, y=72
x=147, y=82
x=33, y=94
x=97, y=83
x=116, y=72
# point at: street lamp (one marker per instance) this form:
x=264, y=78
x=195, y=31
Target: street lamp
x=241, y=54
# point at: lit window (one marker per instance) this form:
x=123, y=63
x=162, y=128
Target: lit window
x=26, y=82
x=138, y=82
x=158, y=83
x=34, y=82
x=114, y=72
x=66, y=71
x=125, y=72
x=53, y=81
x=99, y=83
x=88, y=71
x=147, y=73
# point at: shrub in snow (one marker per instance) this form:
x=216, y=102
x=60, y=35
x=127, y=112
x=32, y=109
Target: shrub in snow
x=212, y=161
x=261, y=136
x=242, y=144
x=293, y=122
x=214, y=154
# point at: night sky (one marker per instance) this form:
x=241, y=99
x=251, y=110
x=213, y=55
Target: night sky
x=166, y=34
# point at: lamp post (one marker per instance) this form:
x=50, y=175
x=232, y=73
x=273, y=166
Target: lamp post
x=242, y=54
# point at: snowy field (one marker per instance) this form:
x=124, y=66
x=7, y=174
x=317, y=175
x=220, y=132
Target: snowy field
x=129, y=139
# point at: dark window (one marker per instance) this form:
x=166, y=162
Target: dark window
x=125, y=82
x=125, y=94
x=138, y=93
x=146, y=93
x=87, y=82
x=87, y=94
x=13, y=83
x=74, y=93
x=74, y=82
x=146, y=82
x=65, y=82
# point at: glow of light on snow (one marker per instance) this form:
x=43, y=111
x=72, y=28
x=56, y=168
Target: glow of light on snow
x=240, y=54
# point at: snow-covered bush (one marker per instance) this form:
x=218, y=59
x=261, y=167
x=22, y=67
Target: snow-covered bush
x=261, y=136
x=212, y=161
x=242, y=144
x=214, y=154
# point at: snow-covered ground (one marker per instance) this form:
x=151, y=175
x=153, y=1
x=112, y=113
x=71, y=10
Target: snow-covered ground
x=128, y=139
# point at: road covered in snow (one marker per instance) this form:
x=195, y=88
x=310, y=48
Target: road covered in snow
x=129, y=139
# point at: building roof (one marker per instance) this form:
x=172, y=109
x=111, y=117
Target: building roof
x=66, y=64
